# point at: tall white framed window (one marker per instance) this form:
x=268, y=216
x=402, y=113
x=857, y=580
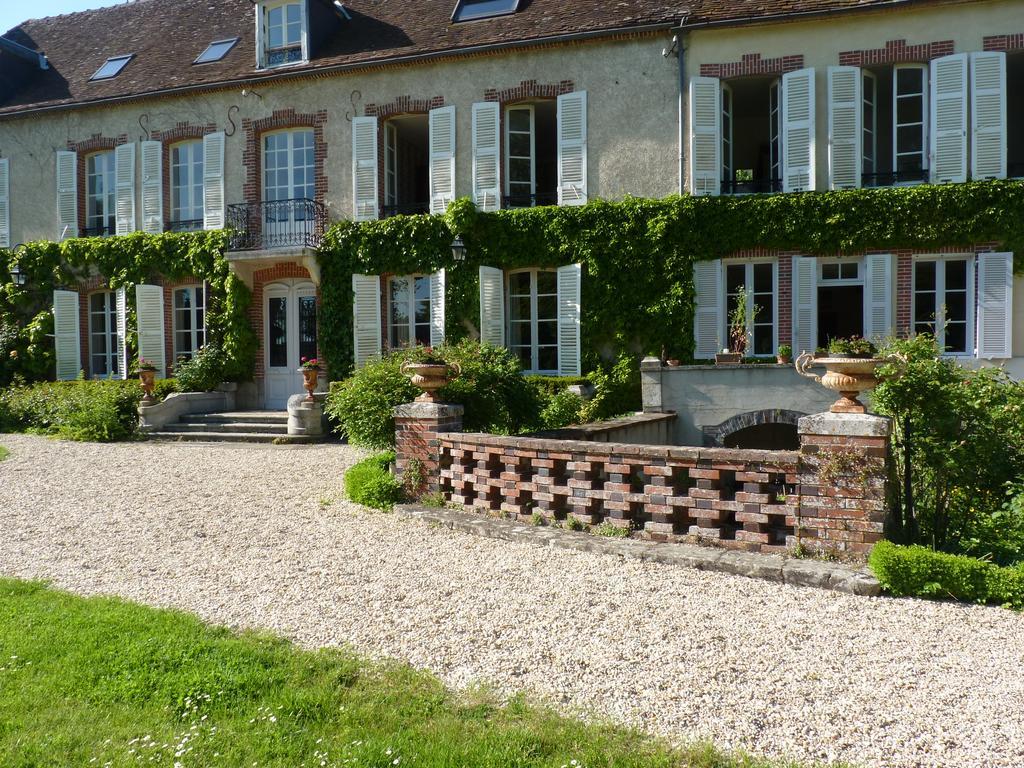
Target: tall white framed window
x=759, y=281
x=288, y=165
x=520, y=155
x=283, y=33
x=775, y=132
x=187, y=186
x=910, y=122
x=103, y=357
x=100, y=194
x=189, y=320
x=869, y=122
x=409, y=311
x=533, y=319
x=727, y=159
x=943, y=289
x=390, y=164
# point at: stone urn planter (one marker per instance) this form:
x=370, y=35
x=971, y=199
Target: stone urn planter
x=845, y=374
x=430, y=377
x=147, y=377
x=310, y=370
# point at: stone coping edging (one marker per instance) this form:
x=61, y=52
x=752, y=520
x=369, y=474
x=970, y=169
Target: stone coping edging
x=787, y=570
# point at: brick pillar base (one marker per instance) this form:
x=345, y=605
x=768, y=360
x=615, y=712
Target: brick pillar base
x=843, y=481
x=417, y=426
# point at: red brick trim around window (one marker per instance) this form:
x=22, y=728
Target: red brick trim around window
x=180, y=132
x=404, y=105
x=896, y=51
x=95, y=143
x=529, y=89
x=1013, y=42
x=753, y=64
x=252, y=154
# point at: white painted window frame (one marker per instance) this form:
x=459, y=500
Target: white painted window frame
x=263, y=33
x=109, y=191
x=534, y=368
x=197, y=328
x=533, y=152
x=109, y=331
x=193, y=183
x=390, y=164
x=410, y=282
x=940, y=299
x=748, y=282
x=869, y=128
x=827, y=281
x=925, y=114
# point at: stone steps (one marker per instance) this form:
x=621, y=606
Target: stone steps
x=235, y=427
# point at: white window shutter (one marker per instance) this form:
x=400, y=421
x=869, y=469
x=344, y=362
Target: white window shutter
x=67, y=341
x=437, y=308
x=798, y=148
x=572, y=148
x=705, y=136
x=995, y=305
x=149, y=318
x=5, y=202
x=988, y=115
x=845, y=127
x=67, y=195
x=487, y=155
x=492, y=306
x=121, y=305
x=805, y=304
x=709, y=315
x=124, y=183
x=570, y=284
x=366, y=320
x=364, y=168
x=442, y=158
x=948, y=129
x=152, y=187
x=213, y=181
x=878, y=319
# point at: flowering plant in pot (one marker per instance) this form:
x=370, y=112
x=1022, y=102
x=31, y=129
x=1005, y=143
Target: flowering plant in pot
x=738, y=336
x=310, y=369
x=853, y=347
x=147, y=377
x=784, y=355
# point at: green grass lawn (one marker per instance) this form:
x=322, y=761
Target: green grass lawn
x=4, y=453
x=104, y=682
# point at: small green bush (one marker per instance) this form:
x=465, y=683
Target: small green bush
x=371, y=483
x=203, y=372
x=921, y=572
x=98, y=411
x=4, y=453
x=165, y=387
x=562, y=409
x=361, y=406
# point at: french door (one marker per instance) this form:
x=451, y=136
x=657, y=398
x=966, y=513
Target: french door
x=290, y=334
x=288, y=177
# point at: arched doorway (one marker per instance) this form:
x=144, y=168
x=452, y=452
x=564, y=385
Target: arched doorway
x=766, y=430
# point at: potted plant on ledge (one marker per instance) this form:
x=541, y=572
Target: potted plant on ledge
x=733, y=355
x=430, y=373
x=850, y=367
x=147, y=377
x=784, y=355
x=310, y=369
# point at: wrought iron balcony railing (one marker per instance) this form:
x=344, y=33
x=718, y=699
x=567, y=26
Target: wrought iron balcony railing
x=529, y=200
x=400, y=209
x=892, y=178
x=276, y=224
x=185, y=225
x=750, y=186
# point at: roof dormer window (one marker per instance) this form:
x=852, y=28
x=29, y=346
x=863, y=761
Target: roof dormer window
x=471, y=10
x=112, y=67
x=216, y=51
x=282, y=33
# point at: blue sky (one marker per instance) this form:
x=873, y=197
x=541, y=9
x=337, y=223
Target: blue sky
x=13, y=12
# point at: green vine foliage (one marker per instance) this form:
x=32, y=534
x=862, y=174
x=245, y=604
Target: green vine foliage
x=123, y=261
x=638, y=254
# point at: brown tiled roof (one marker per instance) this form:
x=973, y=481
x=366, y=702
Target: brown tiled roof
x=167, y=35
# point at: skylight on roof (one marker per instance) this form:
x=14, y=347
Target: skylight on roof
x=468, y=10
x=112, y=67
x=216, y=51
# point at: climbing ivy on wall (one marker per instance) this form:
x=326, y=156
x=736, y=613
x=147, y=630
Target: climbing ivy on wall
x=123, y=262
x=638, y=255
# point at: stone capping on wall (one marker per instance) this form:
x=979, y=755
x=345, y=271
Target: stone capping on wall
x=897, y=51
x=753, y=64
x=646, y=428
x=828, y=496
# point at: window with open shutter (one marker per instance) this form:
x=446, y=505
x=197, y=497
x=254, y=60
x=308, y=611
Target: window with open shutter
x=570, y=283
x=442, y=158
x=798, y=148
x=995, y=305
x=492, y=306
x=5, y=202
x=705, y=136
x=709, y=316
x=152, y=187
x=437, y=290
x=213, y=181
x=486, y=159
x=572, y=148
x=364, y=168
x=366, y=317
x=67, y=344
x=878, y=283
x=67, y=195
x=845, y=127
x=805, y=304
x=948, y=146
x=988, y=115
x=149, y=318
x=124, y=174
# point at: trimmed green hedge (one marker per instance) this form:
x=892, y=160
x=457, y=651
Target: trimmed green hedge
x=921, y=572
x=371, y=483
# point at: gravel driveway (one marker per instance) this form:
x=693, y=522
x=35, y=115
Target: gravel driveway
x=255, y=536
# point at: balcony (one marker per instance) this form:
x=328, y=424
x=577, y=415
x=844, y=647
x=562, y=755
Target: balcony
x=750, y=186
x=529, y=200
x=894, y=178
x=404, y=209
x=276, y=224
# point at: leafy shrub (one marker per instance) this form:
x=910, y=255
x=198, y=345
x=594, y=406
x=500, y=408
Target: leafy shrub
x=958, y=439
x=99, y=411
x=203, y=372
x=361, y=406
x=549, y=386
x=371, y=483
x=165, y=387
x=617, y=390
x=562, y=409
x=922, y=572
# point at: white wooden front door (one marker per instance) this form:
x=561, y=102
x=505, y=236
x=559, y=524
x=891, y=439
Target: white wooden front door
x=290, y=333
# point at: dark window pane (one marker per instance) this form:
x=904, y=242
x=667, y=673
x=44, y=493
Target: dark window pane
x=956, y=337
x=735, y=277
x=278, y=321
x=763, y=277
x=547, y=307
x=909, y=138
x=547, y=333
x=956, y=275
x=519, y=308
x=924, y=276
x=307, y=327
x=423, y=335
x=547, y=359
x=519, y=145
x=956, y=306
x=519, y=283
x=924, y=308
x=546, y=282
x=520, y=334
x=519, y=120
x=909, y=80
x=763, y=340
